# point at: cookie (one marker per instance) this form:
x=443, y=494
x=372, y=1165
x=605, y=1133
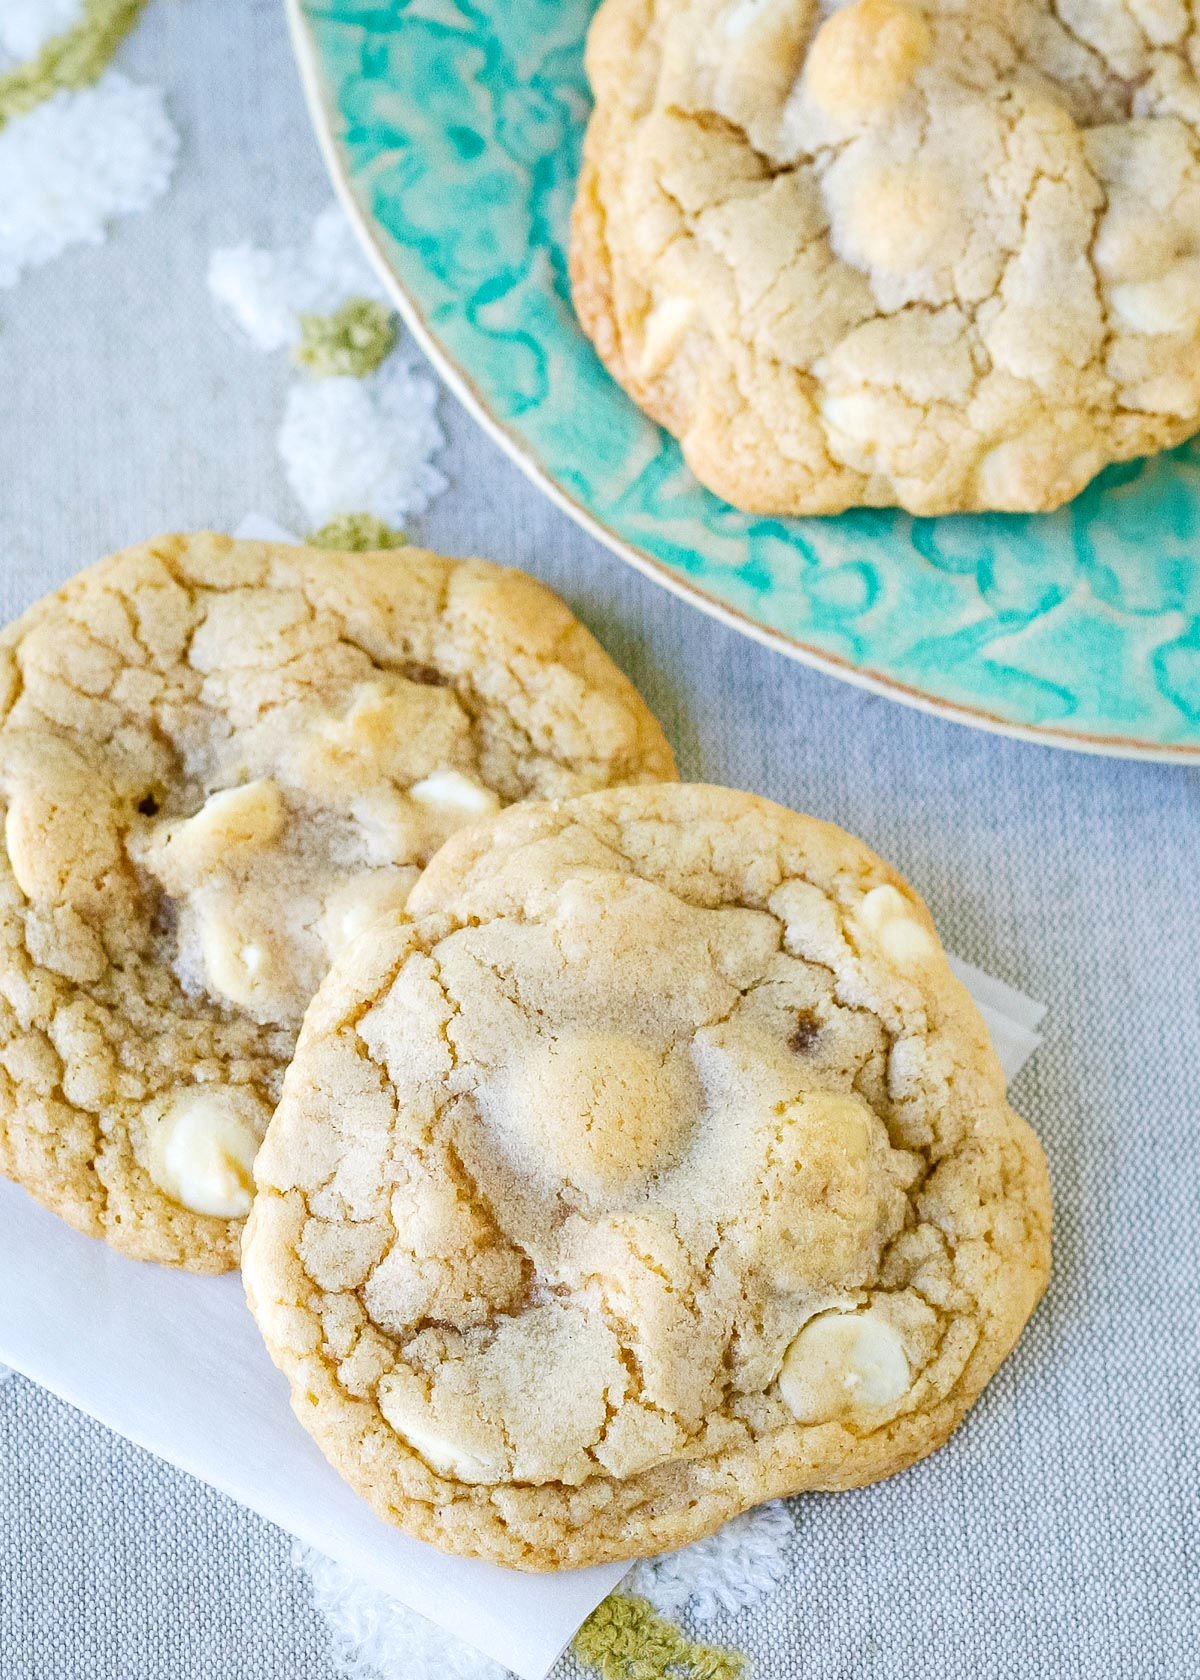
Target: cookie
x=935, y=255
x=218, y=762
x=657, y=1166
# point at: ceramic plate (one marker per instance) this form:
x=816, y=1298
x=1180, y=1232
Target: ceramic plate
x=453, y=130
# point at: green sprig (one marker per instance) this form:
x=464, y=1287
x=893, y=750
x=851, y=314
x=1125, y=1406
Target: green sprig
x=357, y=533
x=626, y=1639
x=350, y=343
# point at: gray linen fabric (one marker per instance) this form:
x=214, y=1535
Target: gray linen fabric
x=1057, y=1536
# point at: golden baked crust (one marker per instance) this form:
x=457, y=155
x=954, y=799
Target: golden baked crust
x=657, y=1166
x=939, y=255
x=217, y=761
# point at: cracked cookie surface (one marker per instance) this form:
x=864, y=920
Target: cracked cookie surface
x=939, y=255
x=656, y=1165
x=219, y=761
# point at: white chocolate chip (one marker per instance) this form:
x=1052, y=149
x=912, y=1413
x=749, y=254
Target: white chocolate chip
x=447, y=1457
x=238, y=967
x=23, y=852
x=238, y=819
x=853, y=416
x=450, y=793
x=389, y=826
x=663, y=332
x=363, y=899
x=843, y=1364
x=201, y=1149
x=752, y=61
x=742, y=16
x=1042, y=454
x=443, y=1456
x=888, y=917
x=1169, y=304
x=891, y=217
x=863, y=58
x=601, y=1110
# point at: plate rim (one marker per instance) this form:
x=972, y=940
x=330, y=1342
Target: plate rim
x=514, y=446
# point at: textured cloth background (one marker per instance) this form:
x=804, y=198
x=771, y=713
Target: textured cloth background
x=1057, y=1536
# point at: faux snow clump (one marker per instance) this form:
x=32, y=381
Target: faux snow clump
x=375, y=1638
x=742, y=1562
x=354, y=443
x=363, y=445
x=266, y=292
x=75, y=163
x=26, y=25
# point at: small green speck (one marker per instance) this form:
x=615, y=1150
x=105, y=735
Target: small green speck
x=75, y=59
x=350, y=343
x=626, y=1639
x=357, y=533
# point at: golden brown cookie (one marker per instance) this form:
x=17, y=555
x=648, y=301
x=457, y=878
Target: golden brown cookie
x=218, y=762
x=657, y=1166
x=939, y=255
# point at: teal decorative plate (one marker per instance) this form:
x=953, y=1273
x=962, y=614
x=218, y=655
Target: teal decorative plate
x=453, y=129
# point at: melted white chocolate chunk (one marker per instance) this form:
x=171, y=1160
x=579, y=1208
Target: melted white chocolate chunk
x=601, y=1110
x=451, y=794
x=201, y=1149
x=843, y=1364
x=864, y=57
x=664, y=330
x=238, y=819
x=447, y=1457
x=350, y=909
x=239, y=965
x=889, y=919
x=263, y=903
x=1169, y=304
x=892, y=217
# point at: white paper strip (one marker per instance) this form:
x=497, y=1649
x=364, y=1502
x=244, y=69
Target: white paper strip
x=1011, y=1017
x=256, y=527
x=174, y=1363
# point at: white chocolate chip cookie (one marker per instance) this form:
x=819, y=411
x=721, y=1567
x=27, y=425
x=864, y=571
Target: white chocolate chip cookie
x=219, y=763
x=916, y=252
x=655, y=1165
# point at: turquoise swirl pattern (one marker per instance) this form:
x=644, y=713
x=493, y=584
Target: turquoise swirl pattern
x=457, y=127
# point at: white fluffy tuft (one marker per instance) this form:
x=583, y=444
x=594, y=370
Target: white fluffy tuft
x=265, y=292
x=76, y=162
x=26, y=25
x=364, y=445
x=374, y=1638
x=742, y=1562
